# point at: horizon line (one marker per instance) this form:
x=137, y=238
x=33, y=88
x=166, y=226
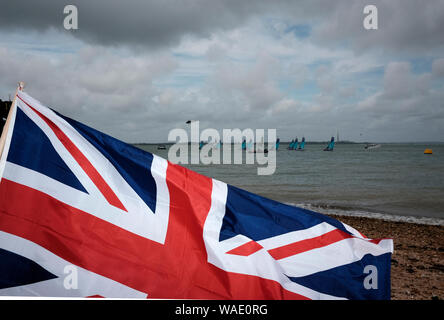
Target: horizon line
x=317, y=141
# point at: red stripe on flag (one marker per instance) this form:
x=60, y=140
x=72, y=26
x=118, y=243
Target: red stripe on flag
x=86, y=165
x=309, y=244
x=246, y=249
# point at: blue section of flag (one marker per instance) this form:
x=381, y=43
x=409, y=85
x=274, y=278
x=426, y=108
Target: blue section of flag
x=259, y=218
x=132, y=163
x=348, y=280
x=32, y=149
x=16, y=270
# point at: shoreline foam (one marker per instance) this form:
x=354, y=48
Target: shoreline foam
x=371, y=215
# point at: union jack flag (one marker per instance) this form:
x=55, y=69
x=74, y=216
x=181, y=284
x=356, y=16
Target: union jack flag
x=137, y=226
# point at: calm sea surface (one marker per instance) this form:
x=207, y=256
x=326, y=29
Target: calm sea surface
x=395, y=181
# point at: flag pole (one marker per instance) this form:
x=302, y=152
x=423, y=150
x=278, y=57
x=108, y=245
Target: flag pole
x=20, y=87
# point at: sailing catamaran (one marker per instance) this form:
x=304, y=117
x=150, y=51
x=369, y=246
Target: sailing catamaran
x=256, y=147
x=218, y=145
x=250, y=146
x=295, y=145
x=331, y=145
x=301, y=145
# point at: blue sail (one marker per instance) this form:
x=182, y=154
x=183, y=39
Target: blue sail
x=250, y=145
x=295, y=146
x=278, y=141
x=244, y=145
x=302, y=144
x=331, y=145
x=201, y=145
x=291, y=145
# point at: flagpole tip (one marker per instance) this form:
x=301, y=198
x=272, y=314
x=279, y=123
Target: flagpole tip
x=21, y=85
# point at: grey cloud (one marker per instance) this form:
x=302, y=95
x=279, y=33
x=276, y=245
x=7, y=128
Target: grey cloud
x=406, y=97
x=398, y=80
x=412, y=26
x=134, y=22
x=403, y=24
x=111, y=85
x=254, y=87
x=438, y=67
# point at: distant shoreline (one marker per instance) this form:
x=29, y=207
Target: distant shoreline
x=307, y=143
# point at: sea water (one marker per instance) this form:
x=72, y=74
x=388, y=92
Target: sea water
x=394, y=182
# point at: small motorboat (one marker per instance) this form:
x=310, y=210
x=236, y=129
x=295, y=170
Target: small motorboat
x=370, y=146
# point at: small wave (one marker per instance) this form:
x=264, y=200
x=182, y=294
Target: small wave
x=336, y=210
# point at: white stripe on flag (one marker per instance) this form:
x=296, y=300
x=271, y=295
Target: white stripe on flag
x=334, y=255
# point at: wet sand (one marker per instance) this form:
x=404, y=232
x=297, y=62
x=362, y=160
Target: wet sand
x=417, y=271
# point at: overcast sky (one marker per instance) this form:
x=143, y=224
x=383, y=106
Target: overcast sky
x=137, y=69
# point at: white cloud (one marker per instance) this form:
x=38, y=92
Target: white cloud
x=398, y=81
x=407, y=103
